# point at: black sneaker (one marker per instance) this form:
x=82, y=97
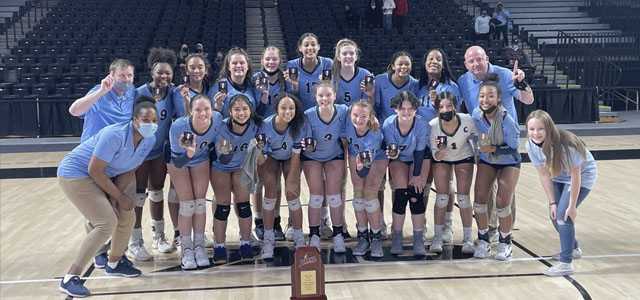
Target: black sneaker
x=277, y=229
x=345, y=234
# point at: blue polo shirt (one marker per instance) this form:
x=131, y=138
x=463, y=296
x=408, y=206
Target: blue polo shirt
x=109, y=109
x=470, y=87
x=113, y=144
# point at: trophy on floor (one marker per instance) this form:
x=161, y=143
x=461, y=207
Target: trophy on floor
x=307, y=275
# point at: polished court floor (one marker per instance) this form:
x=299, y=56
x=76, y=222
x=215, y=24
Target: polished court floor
x=40, y=231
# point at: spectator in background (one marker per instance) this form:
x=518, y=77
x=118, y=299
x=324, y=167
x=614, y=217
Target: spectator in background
x=200, y=49
x=182, y=55
x=402, y=8
x=501, y=15
x=374, y=13
x=482, y=26
x=387, y=13
x=352, y=16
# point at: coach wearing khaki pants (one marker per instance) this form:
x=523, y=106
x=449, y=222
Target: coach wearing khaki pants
x=96, y=177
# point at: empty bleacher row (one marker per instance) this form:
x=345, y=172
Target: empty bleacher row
x=70, y=50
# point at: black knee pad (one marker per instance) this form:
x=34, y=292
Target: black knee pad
x=222, y=212
x=244, y=209
x=417, y=207
x=400, y=203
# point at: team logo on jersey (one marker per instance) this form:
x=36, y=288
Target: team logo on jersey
x=465, y=129
x=328, y=137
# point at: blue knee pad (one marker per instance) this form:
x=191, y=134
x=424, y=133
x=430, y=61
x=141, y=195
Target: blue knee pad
x=222, y=212
x=244, y=209
x=400, y=202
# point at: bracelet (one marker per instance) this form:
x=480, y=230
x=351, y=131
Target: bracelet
x=553, y=203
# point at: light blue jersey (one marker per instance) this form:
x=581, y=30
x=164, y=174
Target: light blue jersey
x=470, y=87
x=112, y=144
x=280, y=145
x=588, y=168
x=385, y=90
x=327, y=135
x=371, y=141
x=306, y=80
x=349, y=91
x=239, y=142
x=204, y=140
x=166, y=111
x=274, y=90
x=426, y=109
x=108, y=109
x=416, y=139
x=511, y=132
x=233, y=89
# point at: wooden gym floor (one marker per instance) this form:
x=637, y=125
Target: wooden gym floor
x=40, y=232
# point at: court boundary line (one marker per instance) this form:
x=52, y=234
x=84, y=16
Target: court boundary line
x=365, y=265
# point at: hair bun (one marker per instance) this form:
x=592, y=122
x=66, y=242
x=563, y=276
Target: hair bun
x=145, y=98
x=495, y=77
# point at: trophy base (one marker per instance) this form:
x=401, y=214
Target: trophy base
x=319, y=297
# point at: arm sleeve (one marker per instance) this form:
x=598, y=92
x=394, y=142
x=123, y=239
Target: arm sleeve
x=432, y=142
x=418, y=157
x=364, y=172
x=180, y=160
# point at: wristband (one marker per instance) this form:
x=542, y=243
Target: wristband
x=521, y=85
x=553, y=203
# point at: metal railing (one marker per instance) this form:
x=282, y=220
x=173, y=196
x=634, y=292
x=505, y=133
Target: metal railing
x=584, y=64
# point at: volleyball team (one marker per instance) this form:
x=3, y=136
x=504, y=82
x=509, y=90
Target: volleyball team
x=252, y=135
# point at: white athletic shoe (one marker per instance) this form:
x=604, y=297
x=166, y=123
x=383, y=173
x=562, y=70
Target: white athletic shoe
x=483, y=249
x=338, y=244
x=315, y=242
x=577, y=253
x=137, y=251
x=188, y=259
x=436, y=244
x=202, y=260
x=298, y=239
x=504, y=251
x=447, y=232
x=207, y=242
x=288, y=232
x=268, y=244
x=467, y=246
x=161, y=244
x=325, y=229
x=561, y=269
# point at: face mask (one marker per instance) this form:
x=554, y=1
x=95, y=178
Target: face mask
x=489, y=110
x=270, y=73
x=240, y=124
x=199, y=50
x=539, y=145
x=122, y=86
x=147, y=129
x=447, y=116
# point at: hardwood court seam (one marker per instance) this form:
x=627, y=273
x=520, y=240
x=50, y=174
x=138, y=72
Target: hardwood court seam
x=575, y=283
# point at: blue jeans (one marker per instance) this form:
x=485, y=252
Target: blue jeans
x=566, y=229
x=386, y=21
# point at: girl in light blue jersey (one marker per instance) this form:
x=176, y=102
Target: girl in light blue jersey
x=236, y=75
x=499, y=159
x=234, y=141
x=397, y=79
x=284, y=132
x=365, y=139
x=197, y=68
x=97, y=177
x=310, y=66
x=567, y=172
x=192, y=138
x=409, y=168
x=277, y=85
x=349, y=78
x=154, y=169
x=325, y=156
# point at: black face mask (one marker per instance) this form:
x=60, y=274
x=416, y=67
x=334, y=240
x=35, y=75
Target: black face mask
x=270, y=73
x=185, y=50
x=447, y=116
x=238, y=123
x=489, y=110
x=199, y=50
x=539, y=145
